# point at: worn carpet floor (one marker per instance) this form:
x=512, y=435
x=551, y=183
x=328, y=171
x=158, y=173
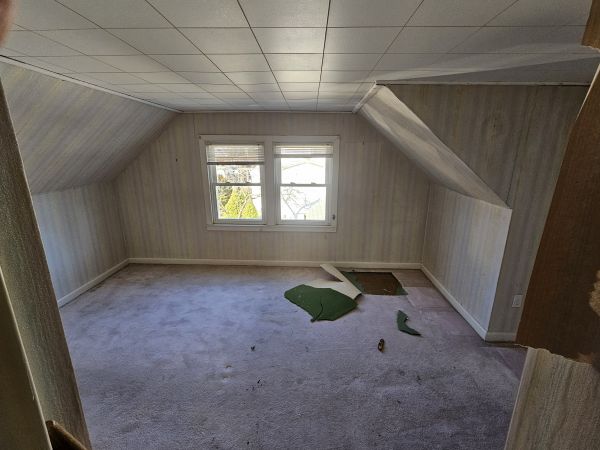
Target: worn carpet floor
x=164, y=360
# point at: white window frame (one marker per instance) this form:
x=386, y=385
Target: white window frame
x=270, y=178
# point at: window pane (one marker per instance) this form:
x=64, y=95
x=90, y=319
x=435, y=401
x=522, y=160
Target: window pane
x=303, y=203
x=238, y=174
x=303, y=170
x=239, y=202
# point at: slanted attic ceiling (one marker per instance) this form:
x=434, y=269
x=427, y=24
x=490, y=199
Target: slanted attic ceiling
x=296, y=54
x=71, y=135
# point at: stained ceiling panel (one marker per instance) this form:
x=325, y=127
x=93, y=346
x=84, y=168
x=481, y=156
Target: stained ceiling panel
x=228, y=46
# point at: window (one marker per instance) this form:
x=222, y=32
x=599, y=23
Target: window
x=279, y=183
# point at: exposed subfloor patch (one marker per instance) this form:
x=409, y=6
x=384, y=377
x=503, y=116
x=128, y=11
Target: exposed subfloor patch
x=189, y=357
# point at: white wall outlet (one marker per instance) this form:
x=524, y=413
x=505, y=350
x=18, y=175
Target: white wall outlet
x=517, y=301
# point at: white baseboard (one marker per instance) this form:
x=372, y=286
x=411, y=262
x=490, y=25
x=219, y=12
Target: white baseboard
x=501, y=336
x=90, y=284
x=482, y=332
x=276, y=263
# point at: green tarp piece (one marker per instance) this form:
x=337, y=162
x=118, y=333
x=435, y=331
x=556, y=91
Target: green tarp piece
x=375, y=283
x=320, y=303
x=401, y=320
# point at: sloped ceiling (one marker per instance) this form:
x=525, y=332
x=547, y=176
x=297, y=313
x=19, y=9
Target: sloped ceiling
x=70, y=135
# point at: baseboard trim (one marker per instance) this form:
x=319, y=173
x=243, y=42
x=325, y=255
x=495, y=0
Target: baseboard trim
x=90, y=284
x=275, y=263
x=501, y=336
x=482, y=332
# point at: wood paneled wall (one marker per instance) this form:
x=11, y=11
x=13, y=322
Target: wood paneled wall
x=514, y=138
x=81, y=232
x=70, y=135
x=382, y=198
x=463, y=250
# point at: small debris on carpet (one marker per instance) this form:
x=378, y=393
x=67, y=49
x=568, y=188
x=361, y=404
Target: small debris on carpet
x=401, y=320
x=253, y=347
x=381, y=345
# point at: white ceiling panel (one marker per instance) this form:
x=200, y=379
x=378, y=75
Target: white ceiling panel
x=200, y=95
x=46, y=65
x=297, y=76
x=201, y=13
x=240, y=63
x=348, y=88
x=255, y=88
x=312, y=95
x=135, y=63
x=157, y=41
x=116, y=77
x=291, y=40
x=267, y=96
x=161, y=77
x=182, y=87
x=286, y=13
x=205, y=77
x=379, y=13
x=32, y=44
x=145, y=87
x=350, y=61
x=295, y=61
x=251, y=77
x=79, y=63
x=359, y=40
x=223, y=40
x=219, y=88
x=48, y=15
x=186, y=63
x=10, y=53
x=335, y=76
x=543, y=12
x=400, y=61
x=299, y=87
x=91, y=42
x=232, y=96
x=430, y=39
x=457, y=12
x=119, y=13
x=509, y=40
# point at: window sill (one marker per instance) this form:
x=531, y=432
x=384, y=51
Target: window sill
x=289, y=228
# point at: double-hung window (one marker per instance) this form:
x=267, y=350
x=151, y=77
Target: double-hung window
x=278, y=183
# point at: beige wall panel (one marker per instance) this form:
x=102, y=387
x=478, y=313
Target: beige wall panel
x=381, y=199
x=70, y=135
x=463, y=248
x=81, y=232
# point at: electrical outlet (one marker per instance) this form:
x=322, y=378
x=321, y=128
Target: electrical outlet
x=517, y=301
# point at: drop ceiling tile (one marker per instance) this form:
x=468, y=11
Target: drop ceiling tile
x=9, y=53
x=299, y=87
x=32, y=44
x=507, y=40
x=145, y=87
x=251, y=77
x=389, y=75
x=114, y=14
x=223, y=40
x=253, y=88
x=205, y=77
x=349, y=61
x=302, y=105
x=182, y=87
x=457, y=12
x=267, y=96
x=156, y=41
x=357, y=13
x=48, y=15
x=542, y=12
x=199, y=95
x=240, y=63
x=43, y=64
x=232, y=96
x=291, y=40
x=79, y=63
x=91, y=42
x=349, y=88
x=430, y=39
x=115, y=78
x=407, y=61
x=297, y=76
x=295, y=61
x=87, y=78
x=201, y=13
x=218, y=88
x=359, y=40
x=480, y=61
x=185, y=63
x=286, y=13
x=134, y=63
x=335, y=76
x=301, y=95
x=161, y=77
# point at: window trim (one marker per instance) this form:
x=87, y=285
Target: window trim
x=270, y=202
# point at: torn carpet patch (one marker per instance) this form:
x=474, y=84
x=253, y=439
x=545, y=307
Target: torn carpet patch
x=375, y=283
x=401, y=319
x=320, y=303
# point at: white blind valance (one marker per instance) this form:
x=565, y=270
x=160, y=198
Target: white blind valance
x=304, y=150
x=235, y=154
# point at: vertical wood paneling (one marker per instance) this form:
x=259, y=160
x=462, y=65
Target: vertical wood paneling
x=381, y=202
x=463, y=248
x=70, y=135
x=81, y=232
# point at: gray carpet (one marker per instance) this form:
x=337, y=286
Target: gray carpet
x=163, y=360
